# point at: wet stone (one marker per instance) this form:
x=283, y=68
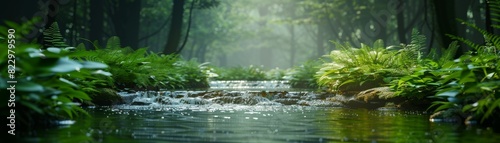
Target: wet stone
x=245, y=100
x=141, y=101
x=287, y=101
x=127, y=97
x=194, y=101
x=180, y=94
x=165, y=100
x=319, y=103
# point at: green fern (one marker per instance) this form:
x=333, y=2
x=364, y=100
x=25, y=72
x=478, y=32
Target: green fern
x=449, y=53
x=113, y=43
x=492, y=40
x=52, y=37
x=495, y=12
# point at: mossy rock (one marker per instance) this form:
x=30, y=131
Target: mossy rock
x=378, y=94
x=106, y=97
x=372, y=98
x=356, y=87
x=449, y=115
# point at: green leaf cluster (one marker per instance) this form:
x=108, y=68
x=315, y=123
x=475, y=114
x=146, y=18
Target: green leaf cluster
x=356, y=69
x=303, y=76
x=251, y=72
x=46, y=87
x=140, y=69
x=472, y=83
x=427, y=75
x=52, y=37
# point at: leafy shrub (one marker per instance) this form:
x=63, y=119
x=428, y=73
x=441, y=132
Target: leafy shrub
x=139, y=69
x=472, y=83
x=303, y=76
x=45, y=88
x=352, y=69
x=240, y=73
x=276, y=74
x=427, y=77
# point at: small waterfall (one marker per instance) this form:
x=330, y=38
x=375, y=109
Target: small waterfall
x=231, y=92
x=249, y=85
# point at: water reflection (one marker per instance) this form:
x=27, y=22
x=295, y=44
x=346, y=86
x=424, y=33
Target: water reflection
x=237, y=123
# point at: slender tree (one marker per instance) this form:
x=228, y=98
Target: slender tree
x=126, y=22
x=174, y=34
x=445, y=19
x=401, y=22
x=96, y=20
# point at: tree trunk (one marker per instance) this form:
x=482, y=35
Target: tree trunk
x=192, y=50
x=320, y=39
x=126, y=22
x=445, y=18
x=488, y=22
x=401, y=22
x=222, y=60
x=174, y=34
x=292, y=45
x=96, y=20
x=188, y=28
x=202, y=53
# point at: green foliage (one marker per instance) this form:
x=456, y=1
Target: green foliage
x=422, y=83
x=426, y=77
x=46, y=86
x=241, y=73
x=139, y=69
x=472, y=83
x=276, y=74
x=357, y=69
x=303, y=76
x=52, y=37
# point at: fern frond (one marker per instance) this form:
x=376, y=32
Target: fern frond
x=113, y=43
x=449, y=53
x=52, y=37
x=492, y=40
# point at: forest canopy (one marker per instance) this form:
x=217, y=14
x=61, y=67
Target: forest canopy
x=268, y=33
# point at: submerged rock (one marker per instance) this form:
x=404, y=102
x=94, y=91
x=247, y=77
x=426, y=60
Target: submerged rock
x=287, y=101
x=371, y=98
x=180, y=94
x=449, y=115
x=245, y=100
x=127, y=98
x=142, y=101
x=270, y=103
x=194, y=101
x=106, y=97
x=378, y=94
x=165, y=100
x=319, y=103
x=196, y=93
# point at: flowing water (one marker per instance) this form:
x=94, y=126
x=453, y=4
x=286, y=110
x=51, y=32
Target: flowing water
x=260, y=123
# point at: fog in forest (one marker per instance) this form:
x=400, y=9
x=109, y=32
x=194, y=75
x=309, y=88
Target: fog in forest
x=267, y=33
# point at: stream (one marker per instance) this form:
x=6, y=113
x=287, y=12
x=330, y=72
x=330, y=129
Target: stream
x=260, y=112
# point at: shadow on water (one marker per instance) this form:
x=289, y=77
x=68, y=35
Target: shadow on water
x=239, y=123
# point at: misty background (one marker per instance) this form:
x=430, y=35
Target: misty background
x=267, y=33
